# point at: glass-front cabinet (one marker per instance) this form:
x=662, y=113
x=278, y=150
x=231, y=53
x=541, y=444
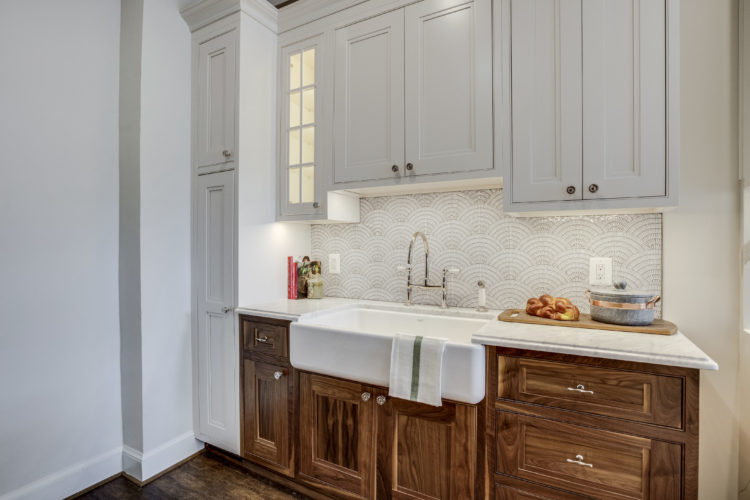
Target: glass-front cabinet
x=300, y=139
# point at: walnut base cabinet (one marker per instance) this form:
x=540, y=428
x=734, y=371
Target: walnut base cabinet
x=268, y=390
x=356, y=442
x=561, y=427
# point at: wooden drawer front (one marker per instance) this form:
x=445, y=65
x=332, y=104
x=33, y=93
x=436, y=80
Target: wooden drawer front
x=584, y=460
x=532, y=492
x=642, y=397
x=265, y=338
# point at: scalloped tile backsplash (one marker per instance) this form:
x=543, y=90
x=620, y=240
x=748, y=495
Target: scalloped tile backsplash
x=516, y=257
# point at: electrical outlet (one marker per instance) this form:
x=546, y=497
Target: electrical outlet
x=334, y=263
x=600, y=271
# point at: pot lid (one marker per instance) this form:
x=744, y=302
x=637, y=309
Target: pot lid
x=620, y=291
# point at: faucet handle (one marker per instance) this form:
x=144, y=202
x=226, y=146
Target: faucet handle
x=403, y=268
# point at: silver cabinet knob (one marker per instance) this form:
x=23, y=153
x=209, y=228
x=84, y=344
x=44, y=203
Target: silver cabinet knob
x=277, y=375
x=571, y=190
x=226, y=309
x=394, y=168
x=316, y=205
x=593, y=188
x=366, y=396
x=409, y=166
x=226, y=153
x=380, y=400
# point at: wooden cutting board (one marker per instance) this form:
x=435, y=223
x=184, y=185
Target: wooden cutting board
x=658, y=327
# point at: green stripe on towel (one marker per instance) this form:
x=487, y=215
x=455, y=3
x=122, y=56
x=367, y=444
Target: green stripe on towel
x=415, y=368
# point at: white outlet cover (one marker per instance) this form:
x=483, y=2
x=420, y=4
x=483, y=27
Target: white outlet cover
x=600, y=271
x=334, y=263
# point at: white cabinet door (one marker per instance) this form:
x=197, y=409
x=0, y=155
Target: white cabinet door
x=546, y=100
x=624, y=104
x=448, y=87
x=217, y=349
x=369, y=99
x=217, y=102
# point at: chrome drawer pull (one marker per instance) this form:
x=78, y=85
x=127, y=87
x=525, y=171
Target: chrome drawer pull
x=262, y=340
x=580, y=388
x=579, y=461
x=277, y=375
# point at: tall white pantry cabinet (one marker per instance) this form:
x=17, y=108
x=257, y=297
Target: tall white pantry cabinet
x=234, y=206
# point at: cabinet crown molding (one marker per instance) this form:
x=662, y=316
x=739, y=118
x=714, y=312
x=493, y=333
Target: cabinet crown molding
x=204, y=12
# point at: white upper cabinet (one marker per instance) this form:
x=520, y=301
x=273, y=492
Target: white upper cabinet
x=448, y=87
x=624, y=104
x=546, y=100
x=414, y=93
x=369, y=99
x=216, y=101
x=594, y=103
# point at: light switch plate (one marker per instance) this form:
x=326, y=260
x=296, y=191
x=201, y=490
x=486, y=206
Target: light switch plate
x=334, y=263
x=600, y=271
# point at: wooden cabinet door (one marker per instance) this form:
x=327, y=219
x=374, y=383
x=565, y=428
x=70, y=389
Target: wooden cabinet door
x=369, y=99
x=624, y=103
x=217, y=101
x=217, y=346
x=546, y=100
x=267, y=400
x=337, y=434
x=448, y=86
x=426, y=452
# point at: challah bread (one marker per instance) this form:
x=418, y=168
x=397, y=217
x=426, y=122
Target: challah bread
x=558, y=308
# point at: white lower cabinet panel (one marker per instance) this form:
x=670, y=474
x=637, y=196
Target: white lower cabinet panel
x=217, y=344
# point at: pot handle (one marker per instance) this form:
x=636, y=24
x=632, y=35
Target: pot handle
x=650, y=303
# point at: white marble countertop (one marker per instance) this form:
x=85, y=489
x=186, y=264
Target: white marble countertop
x=671, y=350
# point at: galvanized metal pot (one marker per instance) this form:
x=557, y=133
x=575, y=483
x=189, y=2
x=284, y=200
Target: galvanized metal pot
x=621, y=307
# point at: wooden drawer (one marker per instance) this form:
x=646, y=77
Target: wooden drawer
x=529, y=491
x=265, y=337
x=631, y=395
x=592, y=462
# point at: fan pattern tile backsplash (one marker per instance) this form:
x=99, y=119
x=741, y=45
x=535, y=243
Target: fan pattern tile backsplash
x=516, y=257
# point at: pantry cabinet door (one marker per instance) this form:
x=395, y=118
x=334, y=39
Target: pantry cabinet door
x=369, y=99
x=217, y=346
x=217, y=100
x=448, y=86
x=546, y=100
x=624, y=104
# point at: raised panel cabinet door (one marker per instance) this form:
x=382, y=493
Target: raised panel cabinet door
x=448, y=86
x=426, y=452
x=546, y=100
x=369, y=99
x=267, y=435
x=337, y=434
x=624, y=103
x=217, y=101
x=217, y=347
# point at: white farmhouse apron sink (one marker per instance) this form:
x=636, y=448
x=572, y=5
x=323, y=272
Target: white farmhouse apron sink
x=354, y=342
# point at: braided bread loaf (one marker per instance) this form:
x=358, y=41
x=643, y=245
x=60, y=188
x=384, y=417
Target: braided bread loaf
x=550, y=307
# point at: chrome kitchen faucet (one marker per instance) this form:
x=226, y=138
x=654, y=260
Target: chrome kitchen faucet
x=410, y=286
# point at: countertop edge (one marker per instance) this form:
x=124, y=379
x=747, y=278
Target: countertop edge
x=267, y=314
x=654, y=359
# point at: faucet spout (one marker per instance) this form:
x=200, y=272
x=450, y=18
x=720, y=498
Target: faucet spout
x=426, y=255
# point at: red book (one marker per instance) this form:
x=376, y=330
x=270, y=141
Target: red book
x=289, y=277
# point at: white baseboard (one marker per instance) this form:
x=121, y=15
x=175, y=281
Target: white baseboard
x=70, y=480
x=143, y=466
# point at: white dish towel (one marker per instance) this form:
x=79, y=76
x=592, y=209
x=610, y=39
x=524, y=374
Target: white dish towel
x=416, y=369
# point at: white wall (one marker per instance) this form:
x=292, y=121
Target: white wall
x=59, y=329
x=157, y=394
x=701, y=237
x=263, y=245
x=165, y=232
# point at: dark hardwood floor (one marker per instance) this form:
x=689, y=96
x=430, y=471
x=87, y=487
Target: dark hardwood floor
x=205, y=476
